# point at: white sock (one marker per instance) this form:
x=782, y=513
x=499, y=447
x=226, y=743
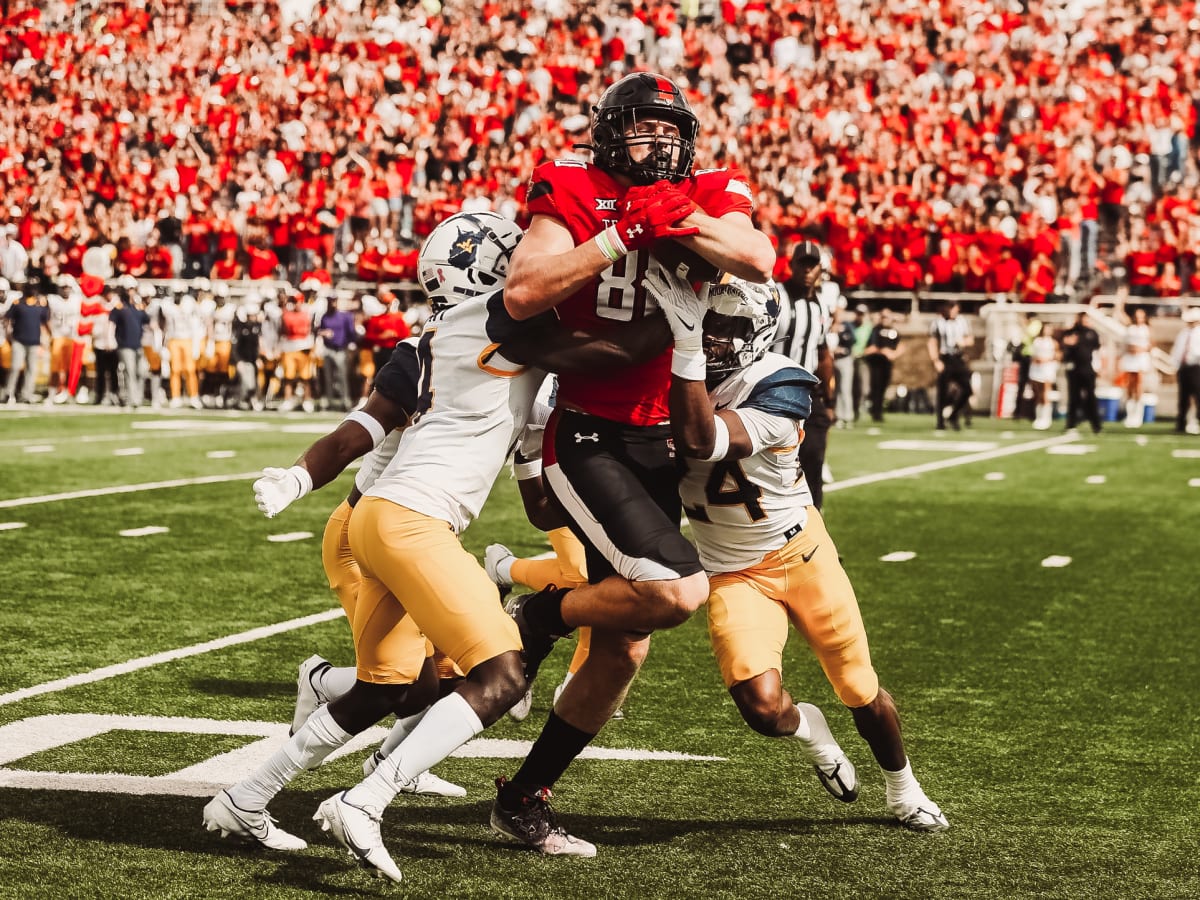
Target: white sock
x=335, y=681
x=400, y=730
x=447, y=725
x=504, y=569
x=804, y=730
x=306, y=749
x=901, y=785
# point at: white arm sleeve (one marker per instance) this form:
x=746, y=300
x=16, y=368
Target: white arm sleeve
x=376, y=461
x=766, y=430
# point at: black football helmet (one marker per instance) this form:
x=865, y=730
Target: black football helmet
x=636, y=98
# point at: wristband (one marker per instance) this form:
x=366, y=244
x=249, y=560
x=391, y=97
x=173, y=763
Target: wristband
x=720, y=440
x=303, y=479
x=610, y=244
x=526, y=470
x=690, y=365
x=370, y=423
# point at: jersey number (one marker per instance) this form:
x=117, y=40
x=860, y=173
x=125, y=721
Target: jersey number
x=728, y=485
x=621, y=296
x=425, y=382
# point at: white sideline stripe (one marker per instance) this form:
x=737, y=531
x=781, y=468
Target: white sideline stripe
x=921, y=469
x=39, y=448
x=38, y=734
x=11, y=526
x=145, y=662
x=267, y=631
x=145, y=531
x=126, y=489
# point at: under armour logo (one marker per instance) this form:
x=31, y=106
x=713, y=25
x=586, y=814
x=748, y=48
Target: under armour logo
x=633, y=232
x=580, y=438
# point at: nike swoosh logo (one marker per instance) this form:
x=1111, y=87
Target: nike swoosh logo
x=810, y=554
x=687, y=326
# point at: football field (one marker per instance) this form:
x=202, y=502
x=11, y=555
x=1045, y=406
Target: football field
x=1032, y=601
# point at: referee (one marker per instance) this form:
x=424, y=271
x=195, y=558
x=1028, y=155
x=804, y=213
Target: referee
x=949, y=336
x=803, y=335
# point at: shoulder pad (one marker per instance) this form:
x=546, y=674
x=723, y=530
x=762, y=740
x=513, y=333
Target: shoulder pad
x=786, y=392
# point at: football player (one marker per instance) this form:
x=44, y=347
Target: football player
x=476, y=386
x=770, y=560
x=607, y=451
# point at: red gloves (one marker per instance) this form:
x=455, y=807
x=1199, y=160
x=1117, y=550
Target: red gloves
x=650, y=212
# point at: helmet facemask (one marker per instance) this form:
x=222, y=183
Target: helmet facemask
x=627, y=108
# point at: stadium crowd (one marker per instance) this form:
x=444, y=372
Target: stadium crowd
x=1021, y=150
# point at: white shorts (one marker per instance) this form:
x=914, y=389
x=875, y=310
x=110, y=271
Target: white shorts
x=1135, y=362
x=1043, y=372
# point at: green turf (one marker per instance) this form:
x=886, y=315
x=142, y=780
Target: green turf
x=1050, y=711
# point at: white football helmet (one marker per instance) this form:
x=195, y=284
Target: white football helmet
x=739, y=326
x=466, y=255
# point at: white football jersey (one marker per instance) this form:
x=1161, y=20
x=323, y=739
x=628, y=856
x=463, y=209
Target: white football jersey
x=472, y=406
x=742, y=509
x=220, y=320
x=65, y=314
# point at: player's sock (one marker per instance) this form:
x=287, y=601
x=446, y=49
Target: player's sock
x=543, y=611
x=536, y=573
x=447, y=725
x=400, y=730
x=551, y=754
x=336, y=680
x=804, y=729
x=306, y=749
x=901, y=784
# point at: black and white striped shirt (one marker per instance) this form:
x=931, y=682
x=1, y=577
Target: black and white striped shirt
x=804, y=325
x=951, y=335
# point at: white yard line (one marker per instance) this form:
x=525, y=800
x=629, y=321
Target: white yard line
x=145, y=662
x=269, y=630
x=922, y=468
x=126, y=489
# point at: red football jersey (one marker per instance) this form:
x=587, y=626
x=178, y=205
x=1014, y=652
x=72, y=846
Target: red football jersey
x=585, y=199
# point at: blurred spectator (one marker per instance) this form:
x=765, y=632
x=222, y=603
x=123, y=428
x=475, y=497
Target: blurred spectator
x=130, y=321
x=1080, y=344
x=882, y=350
x=29, y=318
x=338, y=334
x=1186, y=355
x=295, y=141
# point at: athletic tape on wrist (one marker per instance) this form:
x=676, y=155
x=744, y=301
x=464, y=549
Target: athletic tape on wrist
x=526, y=470
x=370, y=423
x=689, y=365
x=720, y=440
x=303, y=478
x=614, y=238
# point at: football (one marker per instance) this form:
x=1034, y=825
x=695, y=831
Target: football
x=683, y=261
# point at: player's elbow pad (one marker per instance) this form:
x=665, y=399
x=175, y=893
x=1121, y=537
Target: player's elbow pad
x=370, y=424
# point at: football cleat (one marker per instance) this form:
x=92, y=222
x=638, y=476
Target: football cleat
x=426, y=784
x=357, y=829
x=493, y=556
x=920, y=815
x=835, y=772
x=519, y=711
x=535, y=825
x=537, y=643
x=252, y=826
x=308, y=695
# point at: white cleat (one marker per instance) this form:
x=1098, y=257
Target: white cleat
x=493, y=556
x=424, y=785
x=834, y=770
x=921, y=814
x=357, y=829
x=308, y=695
x=429, y=785
x=519, y=711
x=251, y=826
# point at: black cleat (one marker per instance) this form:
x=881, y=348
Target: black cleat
x=537, y=642
x=535, y=825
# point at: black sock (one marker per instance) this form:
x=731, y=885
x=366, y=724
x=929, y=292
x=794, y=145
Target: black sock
x=544, y=611
x=554, y=750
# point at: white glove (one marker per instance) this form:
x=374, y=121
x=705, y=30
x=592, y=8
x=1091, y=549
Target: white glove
x=278, y=489
x=685, y=310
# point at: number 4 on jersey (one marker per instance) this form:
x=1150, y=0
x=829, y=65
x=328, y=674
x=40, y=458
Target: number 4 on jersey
x=728, y=485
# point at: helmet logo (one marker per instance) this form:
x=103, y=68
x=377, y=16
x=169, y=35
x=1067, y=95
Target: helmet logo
x=464, y=250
